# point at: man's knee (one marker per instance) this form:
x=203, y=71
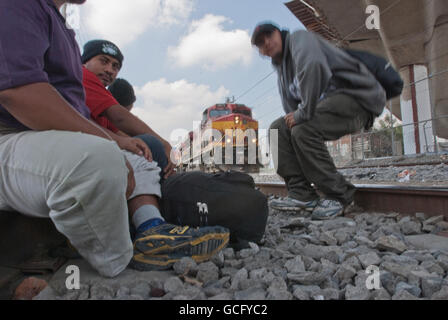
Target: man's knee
x=278, y=124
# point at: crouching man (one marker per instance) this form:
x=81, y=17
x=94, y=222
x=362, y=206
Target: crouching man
x=326, y=94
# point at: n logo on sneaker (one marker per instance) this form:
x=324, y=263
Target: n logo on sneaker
x=179, y=230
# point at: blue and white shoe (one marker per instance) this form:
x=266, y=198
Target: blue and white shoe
x=327, y=209
x=290, y=204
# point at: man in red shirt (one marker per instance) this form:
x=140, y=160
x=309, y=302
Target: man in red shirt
x=102, y=62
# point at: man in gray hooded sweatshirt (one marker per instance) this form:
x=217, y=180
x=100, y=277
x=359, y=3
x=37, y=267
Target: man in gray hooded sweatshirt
x=326, y=94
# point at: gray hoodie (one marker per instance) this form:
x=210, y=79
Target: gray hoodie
x=313, y=69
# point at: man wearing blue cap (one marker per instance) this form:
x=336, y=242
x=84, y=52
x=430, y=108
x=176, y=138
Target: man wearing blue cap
x=326, y=94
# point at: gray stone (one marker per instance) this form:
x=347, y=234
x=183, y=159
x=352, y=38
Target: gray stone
x=419, y=255
x=338, y=223
x=258, y=274
x=364, y=241
x=185, y=266
x=328, y=239
x=306, y=278
x=441, y=295
x=412, y=289
x=431, y=285
x=342, y=237
x=345, y=272
x=397, y=269
x=332, y=256
x=434, y=220
x=222, y=296
x=228, y=253
x=124, y=291
x=390, y=243
x=278, y=284
x=331, y=294
x=254, y=293
x=295, y=265
x=242, y=274
x=442, y=225
x=173, y=285
x=388, y=281
x=356, y=293
x=410, y=227
x=433, y=267
x=404, y=295
x=247, y=283
x=306, y=292
x=369, y=259
x=404, y=260
x=100, y=291
x=428, y=228
x=380, y=294
x=218, y=259
x=299, y=294
x=234, y=263
x=276, y=294
x=129, y=297
x=142, y=289
x=194, y=293
x=207, y=272
x=428, y=242
x=443, y=261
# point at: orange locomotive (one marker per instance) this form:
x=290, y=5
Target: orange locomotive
x=227, y=139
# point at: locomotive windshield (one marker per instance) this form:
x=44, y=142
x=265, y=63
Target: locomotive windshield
x=219, y=113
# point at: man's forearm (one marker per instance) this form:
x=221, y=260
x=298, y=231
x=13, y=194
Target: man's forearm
x=129, y=123
x=40, y=107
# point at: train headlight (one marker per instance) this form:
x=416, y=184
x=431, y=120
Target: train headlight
x=254, y=140
x=229, y=140
x=237, y=119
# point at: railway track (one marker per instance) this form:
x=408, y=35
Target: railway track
x=431, y=200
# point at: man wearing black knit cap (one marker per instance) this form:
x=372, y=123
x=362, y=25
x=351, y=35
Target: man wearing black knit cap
x=326, y=94
x=102, y=60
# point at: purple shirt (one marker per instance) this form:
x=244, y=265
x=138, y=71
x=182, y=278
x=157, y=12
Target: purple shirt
x=36, y=46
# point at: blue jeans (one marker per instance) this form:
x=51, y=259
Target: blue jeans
x=157, y=150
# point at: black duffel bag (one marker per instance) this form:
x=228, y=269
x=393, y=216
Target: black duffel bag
x=227, y=199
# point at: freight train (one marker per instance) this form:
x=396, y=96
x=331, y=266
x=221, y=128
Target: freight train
x=227, y=139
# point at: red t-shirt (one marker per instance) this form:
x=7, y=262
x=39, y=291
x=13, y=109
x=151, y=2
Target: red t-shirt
x=98, y=99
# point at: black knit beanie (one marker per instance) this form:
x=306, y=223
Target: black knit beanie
x=122, y=92
x=96, y=47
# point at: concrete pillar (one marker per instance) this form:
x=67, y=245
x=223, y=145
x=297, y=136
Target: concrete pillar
x=437, y=59
x=416, y=110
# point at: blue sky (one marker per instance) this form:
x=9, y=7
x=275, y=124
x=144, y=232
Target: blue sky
x=185, y=55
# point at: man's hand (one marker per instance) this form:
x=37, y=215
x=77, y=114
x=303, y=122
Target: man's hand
x=134, y=145
x=169, y=169
x=131, y=181
x=290, y=121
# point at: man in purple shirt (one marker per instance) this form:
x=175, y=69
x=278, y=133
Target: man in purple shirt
x=56, y=163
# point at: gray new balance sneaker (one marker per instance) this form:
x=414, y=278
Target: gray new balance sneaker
x=290, y=204
x=327, y=209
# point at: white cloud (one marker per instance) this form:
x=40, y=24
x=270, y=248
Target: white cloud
x=124, y=21
x=209, y=45
x=166, y=106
